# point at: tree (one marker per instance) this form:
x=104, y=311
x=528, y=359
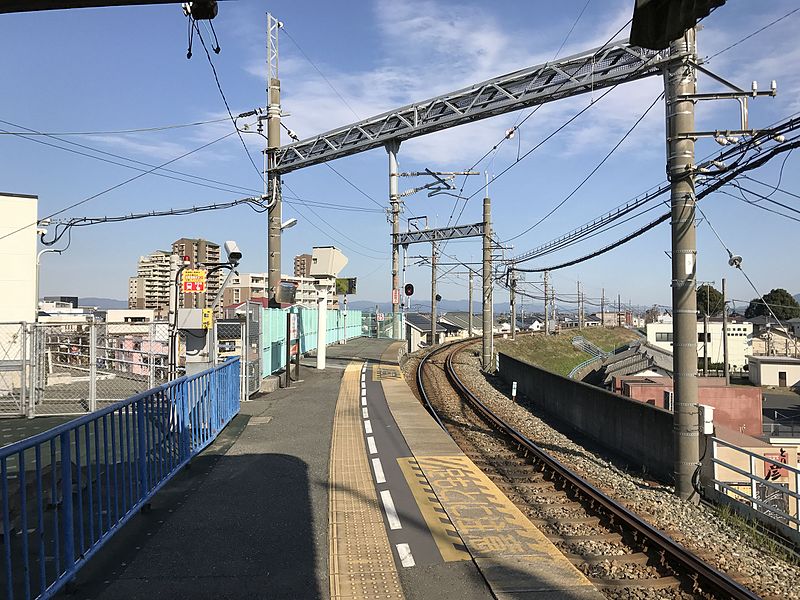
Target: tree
x=709, y=301
x=651, y=314
x=780, y=301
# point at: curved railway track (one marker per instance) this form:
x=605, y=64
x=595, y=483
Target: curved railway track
x=615, y=548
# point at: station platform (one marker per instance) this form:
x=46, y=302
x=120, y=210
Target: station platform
x=340, y=487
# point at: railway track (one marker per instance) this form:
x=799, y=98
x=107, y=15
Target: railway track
x=620, y=553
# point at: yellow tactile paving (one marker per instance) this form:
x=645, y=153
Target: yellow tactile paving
x=512, y=554
x=361, y=564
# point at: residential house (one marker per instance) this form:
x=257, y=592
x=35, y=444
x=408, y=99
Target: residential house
x=739, y=334
x=418, y=331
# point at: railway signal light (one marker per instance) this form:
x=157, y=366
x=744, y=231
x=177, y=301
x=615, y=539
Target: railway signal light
x=409, y=289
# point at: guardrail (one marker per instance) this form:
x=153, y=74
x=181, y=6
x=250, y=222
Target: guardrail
x=577, y=368
x=66, y=491
x=768, y=486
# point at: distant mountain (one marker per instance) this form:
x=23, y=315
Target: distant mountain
x=424, y=305
x=102, y=302
x=796, y=297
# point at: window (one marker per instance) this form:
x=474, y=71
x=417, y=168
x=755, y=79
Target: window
x=663, y=336
x=700, y=337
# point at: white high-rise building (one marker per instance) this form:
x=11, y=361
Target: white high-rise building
x=149, y=289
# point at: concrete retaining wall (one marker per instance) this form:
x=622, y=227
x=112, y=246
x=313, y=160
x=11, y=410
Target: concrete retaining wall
x=639, y=432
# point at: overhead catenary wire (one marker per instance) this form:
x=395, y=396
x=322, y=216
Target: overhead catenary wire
x=591, y=173
x=518, y=123
x=727, y=177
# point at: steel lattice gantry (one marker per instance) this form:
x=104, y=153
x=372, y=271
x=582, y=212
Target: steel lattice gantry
x=594, y=69
x=445, y=233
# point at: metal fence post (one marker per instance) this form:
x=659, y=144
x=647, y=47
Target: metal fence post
x=141, y=436
x=150, y=358
x=24, y=392
x=92, y=366
x=68, y=524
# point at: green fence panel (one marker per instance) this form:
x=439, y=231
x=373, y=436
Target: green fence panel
x=273, y=330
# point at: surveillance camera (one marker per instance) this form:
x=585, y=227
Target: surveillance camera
x=233, y=252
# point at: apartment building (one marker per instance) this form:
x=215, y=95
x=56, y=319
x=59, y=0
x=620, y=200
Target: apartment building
x=149, y=289
x=244, y=287
x=302, y=265
x=252, y=286
x=199, y=252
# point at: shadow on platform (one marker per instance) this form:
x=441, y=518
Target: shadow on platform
x=230, y=526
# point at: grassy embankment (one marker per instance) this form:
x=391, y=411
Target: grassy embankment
x=556, y=352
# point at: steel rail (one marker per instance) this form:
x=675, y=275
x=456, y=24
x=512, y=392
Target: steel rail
x=711, y=580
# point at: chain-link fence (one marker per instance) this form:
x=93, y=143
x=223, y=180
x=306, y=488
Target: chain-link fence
x=13, y=369
x=74, y=368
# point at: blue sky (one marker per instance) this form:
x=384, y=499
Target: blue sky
x=124, y=68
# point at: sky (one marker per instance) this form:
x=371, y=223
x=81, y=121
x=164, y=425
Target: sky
x=105, y=70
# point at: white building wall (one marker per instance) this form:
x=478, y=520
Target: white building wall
x=18, y=257
x=767, y=374
x=740, y=341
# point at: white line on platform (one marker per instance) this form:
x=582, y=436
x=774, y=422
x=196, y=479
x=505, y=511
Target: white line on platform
x=363, y=401
x=373, y=449
x=391, y=513
x=378, y=468
x=365, y=413
x=368, y=427
x=406, y=558
x=363, y=392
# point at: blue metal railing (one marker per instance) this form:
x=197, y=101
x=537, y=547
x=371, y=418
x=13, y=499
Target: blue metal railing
x=66, y=491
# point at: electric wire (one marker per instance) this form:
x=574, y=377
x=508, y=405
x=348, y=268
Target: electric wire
x=591, y=173
x=123, y=131
x=194, y=179
x=519, y=123
x=321, y=74
x=117, y=185
x=338, y=233
x=747, y=37
x=586, y=230
x=728, y=176
x=225, y=100
x=738, y=265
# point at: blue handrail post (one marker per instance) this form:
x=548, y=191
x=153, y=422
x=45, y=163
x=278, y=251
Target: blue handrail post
x=141, y=447
x=185, y=429
x=66, y=505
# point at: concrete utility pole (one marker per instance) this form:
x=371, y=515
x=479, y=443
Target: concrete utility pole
x=705, y=345
x=680, y=81
x=619, y=310
x=603, y=307
x=486, y=346
x=546, y=307
x=433, y=293
x=392, y=147
x=725, y=366
x=469, y=316
x=273, y=144
x=513, y=302
x=580, y=312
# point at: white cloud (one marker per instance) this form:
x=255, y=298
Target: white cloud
x=428, y=48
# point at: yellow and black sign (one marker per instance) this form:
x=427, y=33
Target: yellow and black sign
x=208, y=318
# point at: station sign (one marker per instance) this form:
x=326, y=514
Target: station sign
x=193, y=281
